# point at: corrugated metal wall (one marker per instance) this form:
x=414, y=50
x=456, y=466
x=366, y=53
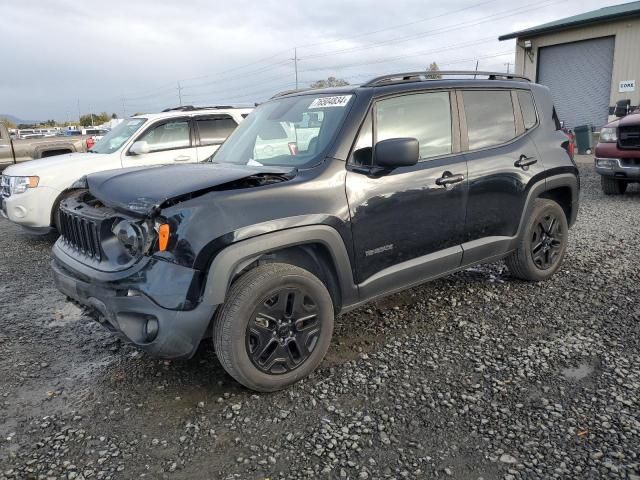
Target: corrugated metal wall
x=579, y=77
x=626, y=58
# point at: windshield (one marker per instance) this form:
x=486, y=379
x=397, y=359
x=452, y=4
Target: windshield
x=288, y=132
x=113, y=140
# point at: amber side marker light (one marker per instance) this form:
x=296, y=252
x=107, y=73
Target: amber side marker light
x=163, y=236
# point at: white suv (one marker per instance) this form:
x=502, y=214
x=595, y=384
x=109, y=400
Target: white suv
x=30, y=192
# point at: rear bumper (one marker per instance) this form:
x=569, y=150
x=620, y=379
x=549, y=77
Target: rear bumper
x=134, y=316
x=622, y=168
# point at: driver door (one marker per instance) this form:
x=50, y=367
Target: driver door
x=408, y=222
x=169, y=141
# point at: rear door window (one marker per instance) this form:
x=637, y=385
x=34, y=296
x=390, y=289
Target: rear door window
x=490, y=119
x=215, y=130
x=528, y=109
x=168, y=136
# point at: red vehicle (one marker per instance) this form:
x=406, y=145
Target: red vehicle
x=618, y=154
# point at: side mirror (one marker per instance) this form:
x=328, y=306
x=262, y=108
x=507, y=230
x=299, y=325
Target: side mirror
x=396, y=152
x=139, y=148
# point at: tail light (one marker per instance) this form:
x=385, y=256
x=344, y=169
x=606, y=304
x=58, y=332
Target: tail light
x=90, y=142
x=570, y=145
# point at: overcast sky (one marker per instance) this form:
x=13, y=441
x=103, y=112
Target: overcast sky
x=129, y=55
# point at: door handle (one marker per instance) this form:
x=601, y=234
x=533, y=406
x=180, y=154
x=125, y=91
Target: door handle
x=182, y=158
x=448, y=178
x=524, y=161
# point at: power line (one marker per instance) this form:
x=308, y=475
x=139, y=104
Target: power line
x=488, y=18
x=220, y=76
x=401, y=25
x=401, y=57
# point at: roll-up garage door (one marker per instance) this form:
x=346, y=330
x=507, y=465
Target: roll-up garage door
x=579, y=76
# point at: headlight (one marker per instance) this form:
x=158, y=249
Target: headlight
x=130, y=236
x=608, y=135
x=20, y=184
x=608, y=163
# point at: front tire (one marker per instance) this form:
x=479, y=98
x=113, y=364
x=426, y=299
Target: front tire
x=613, y=186
x=55, y=212
x=542, y=244
x=274, y=328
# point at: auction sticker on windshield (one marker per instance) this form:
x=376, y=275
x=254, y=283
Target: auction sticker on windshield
x=337, y=101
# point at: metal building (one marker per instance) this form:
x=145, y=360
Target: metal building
x=589, y=61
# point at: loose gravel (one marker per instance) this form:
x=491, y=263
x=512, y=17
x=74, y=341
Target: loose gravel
x=472, y=376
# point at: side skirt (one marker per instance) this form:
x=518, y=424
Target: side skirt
x=431, y=267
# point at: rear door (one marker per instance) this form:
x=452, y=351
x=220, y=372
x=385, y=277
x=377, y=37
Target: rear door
x=211, y=131
x=502, y=160
x=170, y=141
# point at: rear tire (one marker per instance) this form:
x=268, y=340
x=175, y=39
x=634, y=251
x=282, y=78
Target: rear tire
x=274, y=328
x=542, y=244
x=613, y=186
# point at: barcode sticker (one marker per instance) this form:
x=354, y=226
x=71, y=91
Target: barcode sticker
x=337, y=101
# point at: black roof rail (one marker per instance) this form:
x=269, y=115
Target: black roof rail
x=429, y=75
x=287, y=92
x=188, y=108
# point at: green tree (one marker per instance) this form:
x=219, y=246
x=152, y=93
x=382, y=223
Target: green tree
x=433, y=71
x=98, y=118
x=329, y=82
x=7, y=123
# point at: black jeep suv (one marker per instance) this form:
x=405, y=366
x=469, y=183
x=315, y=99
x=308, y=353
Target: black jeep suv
x=320, y=201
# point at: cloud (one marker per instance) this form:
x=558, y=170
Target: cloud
x=131, y=54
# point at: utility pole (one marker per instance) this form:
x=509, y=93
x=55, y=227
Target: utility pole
x=124, y=107
x=295, y=64
x=179, y=93
x=477, y=62
x=508, y=64
x=79, y=114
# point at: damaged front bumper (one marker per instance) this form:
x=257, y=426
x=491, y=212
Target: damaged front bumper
x=136, y=308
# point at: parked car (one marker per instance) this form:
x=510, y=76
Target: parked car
x=32, y=146
x=617, y=157
x=94, y=135
x=33, y=190
x=405, y=179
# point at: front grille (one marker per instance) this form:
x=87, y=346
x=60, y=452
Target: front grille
x=81, y=233
x=629, y=137
x=630, y=162
x=5, y=187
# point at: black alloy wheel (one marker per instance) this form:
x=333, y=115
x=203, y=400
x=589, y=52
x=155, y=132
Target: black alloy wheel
x=542, y=243
x=275, y=326
x=546, y=241
x=283, y=331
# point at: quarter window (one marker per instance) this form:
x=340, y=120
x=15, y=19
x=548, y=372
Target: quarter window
x=168, y=136
x=425, y=117
x=525, y=99
x=362, y=149
x=214, y=131
x=490, y=119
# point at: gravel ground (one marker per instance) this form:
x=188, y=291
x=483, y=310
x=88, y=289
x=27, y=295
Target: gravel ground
x=473, y=376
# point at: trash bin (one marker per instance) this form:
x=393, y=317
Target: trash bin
x=584, y=139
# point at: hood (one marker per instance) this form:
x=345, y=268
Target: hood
x=628, y=121
x=49, y=169
x=143, y=190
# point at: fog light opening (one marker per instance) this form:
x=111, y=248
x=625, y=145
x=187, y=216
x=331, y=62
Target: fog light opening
x=150, y=329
